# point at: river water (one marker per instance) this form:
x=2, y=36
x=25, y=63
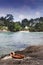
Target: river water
x=12, y=41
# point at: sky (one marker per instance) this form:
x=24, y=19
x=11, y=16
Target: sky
x=21, y=9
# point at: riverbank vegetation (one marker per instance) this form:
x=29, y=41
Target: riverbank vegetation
x=32, y=25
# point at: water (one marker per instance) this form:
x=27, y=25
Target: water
x=12, y=41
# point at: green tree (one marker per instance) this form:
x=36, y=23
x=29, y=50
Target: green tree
x=25, y=22
x=39, y=27
x=31, y=22
x=9, y=17
x=17, y=27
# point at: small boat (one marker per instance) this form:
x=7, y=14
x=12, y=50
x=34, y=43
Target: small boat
x=16, y=56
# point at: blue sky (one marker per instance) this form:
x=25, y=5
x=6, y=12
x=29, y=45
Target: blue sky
x=21, y=9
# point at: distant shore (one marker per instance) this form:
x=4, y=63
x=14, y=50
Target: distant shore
x=11, y=31
x=24, y=31
x=4, y=31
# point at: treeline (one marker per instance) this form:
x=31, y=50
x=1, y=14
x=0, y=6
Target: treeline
x=8, y=22
x=33, y=25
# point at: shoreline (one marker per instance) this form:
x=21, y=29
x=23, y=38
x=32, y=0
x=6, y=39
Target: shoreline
x=33, y=56
x=24, y=31
x=29, y=49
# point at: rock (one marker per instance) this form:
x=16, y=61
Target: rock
x=34, y=56
x=6, y=57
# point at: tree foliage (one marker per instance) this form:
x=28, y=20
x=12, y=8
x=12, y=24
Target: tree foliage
x=32, y=24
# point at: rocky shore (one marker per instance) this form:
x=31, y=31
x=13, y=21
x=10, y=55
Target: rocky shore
x=33, y=56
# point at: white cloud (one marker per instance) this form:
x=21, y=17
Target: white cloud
x=21, y=16
x=23, y=12
x=37, y=13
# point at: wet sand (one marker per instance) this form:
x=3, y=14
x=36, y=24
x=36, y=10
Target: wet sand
x=33, y=56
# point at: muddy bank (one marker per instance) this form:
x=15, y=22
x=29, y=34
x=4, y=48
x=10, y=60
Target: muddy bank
x=33, y=56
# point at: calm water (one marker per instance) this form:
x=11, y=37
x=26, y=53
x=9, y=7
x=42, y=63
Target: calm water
x=10, y=41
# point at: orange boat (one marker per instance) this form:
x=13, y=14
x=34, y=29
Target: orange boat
x=16, y=56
